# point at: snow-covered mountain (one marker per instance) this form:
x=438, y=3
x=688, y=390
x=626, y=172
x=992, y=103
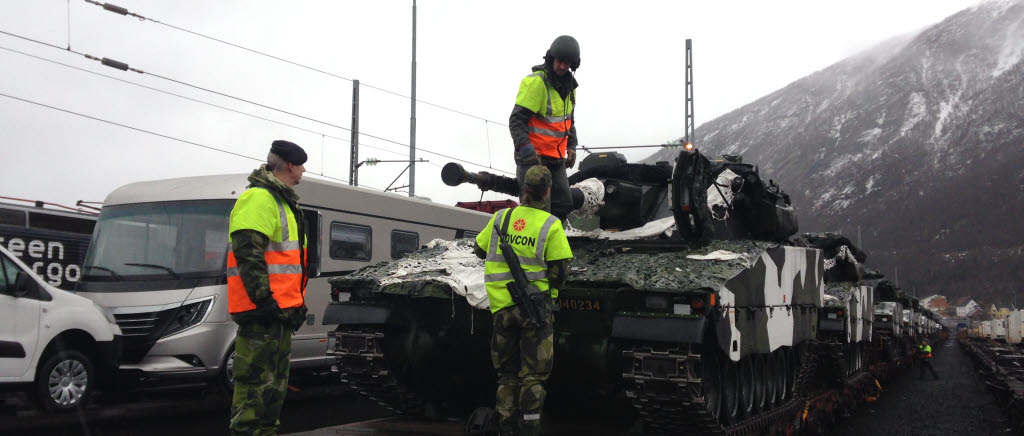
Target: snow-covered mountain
x=918, y=141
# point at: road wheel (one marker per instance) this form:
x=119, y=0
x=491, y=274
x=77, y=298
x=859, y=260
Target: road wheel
x=65, y=381
x=730, y=392
x=781, y=375
x=747, y=390
x=771, y=380
x=793, y=359
x=760, y=382
x=711, y=378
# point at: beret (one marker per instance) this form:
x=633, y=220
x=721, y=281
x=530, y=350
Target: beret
x=289, y=151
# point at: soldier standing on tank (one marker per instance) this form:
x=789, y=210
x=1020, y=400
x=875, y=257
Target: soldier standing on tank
x=924, y=358
x=266, y=288
x=543, y=123
x=522, y=352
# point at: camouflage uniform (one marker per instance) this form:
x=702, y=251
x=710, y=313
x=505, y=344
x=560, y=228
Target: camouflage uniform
x=522, y=353
x=263, y=341
x=523, y=356
x=262, y=360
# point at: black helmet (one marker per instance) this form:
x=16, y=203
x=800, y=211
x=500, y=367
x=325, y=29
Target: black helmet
x=565, y=48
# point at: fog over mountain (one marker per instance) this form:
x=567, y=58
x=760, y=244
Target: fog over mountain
x=918, y=141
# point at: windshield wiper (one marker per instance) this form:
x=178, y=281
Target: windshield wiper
x=113, y=274
x=151, y=265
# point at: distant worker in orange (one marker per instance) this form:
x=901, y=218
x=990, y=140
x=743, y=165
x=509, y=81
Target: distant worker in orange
x=543, y=122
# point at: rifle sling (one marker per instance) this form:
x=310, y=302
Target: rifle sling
x=504, y=225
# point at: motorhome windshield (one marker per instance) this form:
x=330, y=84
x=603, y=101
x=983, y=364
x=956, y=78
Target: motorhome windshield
x=170, y=240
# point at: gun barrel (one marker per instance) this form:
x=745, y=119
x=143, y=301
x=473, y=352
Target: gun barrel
x=454, y=174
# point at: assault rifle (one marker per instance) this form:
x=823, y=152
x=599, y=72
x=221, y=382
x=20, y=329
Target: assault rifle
x=519, y=288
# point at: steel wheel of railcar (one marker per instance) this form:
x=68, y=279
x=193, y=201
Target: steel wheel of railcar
x=730, y=392
x=781, y=375
x=771, y=381
x=760, y=391
x=711, y=381
x=747, y=390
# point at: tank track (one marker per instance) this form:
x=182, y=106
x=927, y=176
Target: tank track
x=363, y=369
x=668, y=394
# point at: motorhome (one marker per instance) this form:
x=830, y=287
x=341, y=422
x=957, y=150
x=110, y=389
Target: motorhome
x=157, y=261
x=51, y=242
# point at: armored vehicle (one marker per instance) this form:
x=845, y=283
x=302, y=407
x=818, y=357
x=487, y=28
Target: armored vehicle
x=684, y=294
x=845, y=321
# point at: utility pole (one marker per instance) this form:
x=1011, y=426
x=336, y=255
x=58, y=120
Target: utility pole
x=897, y=276
x=688, y=136
x=412, y=118
x=353, y=160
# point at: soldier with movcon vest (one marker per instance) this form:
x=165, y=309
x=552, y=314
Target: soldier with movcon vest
x=522, y=344
x=266, y=288
x=543, y=122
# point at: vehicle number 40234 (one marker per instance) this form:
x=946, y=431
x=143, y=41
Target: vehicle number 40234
x=579, y=304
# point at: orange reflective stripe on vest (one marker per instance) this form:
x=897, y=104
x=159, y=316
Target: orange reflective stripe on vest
x=549, y=135
x=284, y=268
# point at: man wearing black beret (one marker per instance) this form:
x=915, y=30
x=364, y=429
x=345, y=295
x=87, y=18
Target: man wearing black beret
x=267, y=277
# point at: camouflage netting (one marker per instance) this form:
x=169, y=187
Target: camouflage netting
x=599, y=264
x=438, y=270
x=450, y=266
x=840, y=293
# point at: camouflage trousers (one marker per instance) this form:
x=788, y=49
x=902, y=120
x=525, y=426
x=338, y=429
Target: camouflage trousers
x=523, y=356
x=261, y=364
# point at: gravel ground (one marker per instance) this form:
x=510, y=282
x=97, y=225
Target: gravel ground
x=956, y=404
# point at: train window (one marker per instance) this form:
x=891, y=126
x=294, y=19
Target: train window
x=460, y=233
x=403, y=242
x=60, y=223
x=351, y=241
x=12, y=217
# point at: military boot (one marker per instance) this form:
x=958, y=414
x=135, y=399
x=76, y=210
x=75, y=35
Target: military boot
x=508, y=426
x=530, y=425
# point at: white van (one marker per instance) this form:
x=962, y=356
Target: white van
x=53, y=344
x=157, y=261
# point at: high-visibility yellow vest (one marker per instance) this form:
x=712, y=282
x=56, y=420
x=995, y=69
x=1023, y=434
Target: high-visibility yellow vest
x=536, y=236
x=924, y=351
x=552, y=116
x=260, y=210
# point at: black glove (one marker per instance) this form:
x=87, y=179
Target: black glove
x=527, y=156
x=570, y=157
x=298, y=317
x=267, y=310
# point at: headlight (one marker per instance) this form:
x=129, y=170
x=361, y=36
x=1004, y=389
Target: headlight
x=188, y=316
x=658, y=302
x=106, y=314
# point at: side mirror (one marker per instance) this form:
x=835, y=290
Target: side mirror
x=23, y=285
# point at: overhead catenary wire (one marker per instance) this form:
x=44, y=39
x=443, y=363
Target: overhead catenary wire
x=126, y=67
x=184, y=97
x=150, y=132
x=123, y=11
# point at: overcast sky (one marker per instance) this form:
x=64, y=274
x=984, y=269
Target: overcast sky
x=471, y=57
